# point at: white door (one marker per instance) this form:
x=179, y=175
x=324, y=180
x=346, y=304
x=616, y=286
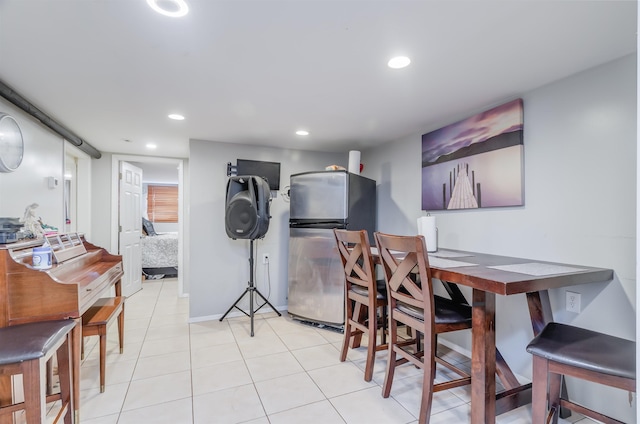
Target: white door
x=130, y=227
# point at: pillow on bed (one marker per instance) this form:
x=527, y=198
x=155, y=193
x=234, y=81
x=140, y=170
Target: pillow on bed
x=147, y=227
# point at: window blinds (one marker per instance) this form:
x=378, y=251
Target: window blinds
x=162, y=203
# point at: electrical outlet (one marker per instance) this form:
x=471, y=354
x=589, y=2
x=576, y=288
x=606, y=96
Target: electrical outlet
x=265, y=258
x=573, y=302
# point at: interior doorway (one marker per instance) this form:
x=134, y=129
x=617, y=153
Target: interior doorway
x=152, y=167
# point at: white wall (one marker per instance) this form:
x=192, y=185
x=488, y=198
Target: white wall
x=43, y=158
x=219, y=266
x=580, y=198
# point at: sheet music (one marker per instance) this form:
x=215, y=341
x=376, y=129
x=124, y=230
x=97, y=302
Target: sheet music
x=537, y=269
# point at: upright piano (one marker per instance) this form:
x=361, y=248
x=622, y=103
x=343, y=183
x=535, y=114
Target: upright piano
x=65, y=291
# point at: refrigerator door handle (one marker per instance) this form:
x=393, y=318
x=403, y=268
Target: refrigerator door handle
x=318, y=225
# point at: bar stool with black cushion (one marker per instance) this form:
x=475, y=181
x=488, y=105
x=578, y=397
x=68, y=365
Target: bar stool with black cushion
x=564, y=350
x=412, y=303
x=363, y=296
x=25, y=349
x=95, y=322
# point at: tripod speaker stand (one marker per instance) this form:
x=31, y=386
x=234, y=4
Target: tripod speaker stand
x=247, y=217
x=251, y=290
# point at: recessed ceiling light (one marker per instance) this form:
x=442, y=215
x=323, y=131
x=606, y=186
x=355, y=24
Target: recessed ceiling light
x=171, y=8
x=176, y=117
x=302, y=132
x=399, y=62
x=151, y=146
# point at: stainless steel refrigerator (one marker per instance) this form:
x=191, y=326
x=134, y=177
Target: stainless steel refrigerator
x=320, y=202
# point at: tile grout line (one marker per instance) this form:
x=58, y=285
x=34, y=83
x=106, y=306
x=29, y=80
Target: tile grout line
x=140, y=352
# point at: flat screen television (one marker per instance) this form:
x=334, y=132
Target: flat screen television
x=270, y=171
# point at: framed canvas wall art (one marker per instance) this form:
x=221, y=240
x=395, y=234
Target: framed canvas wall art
x=477, y=162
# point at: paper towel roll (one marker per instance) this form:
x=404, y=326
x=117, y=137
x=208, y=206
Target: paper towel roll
x=427, y=228
x=354, y=161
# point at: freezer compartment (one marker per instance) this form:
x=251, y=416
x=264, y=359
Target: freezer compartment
x=316, y=277
x=327, y=197
x=319, y=195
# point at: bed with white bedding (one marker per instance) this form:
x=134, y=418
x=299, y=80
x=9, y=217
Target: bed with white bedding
x=160, y=250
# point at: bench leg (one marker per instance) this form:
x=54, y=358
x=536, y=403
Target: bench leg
x=103, y=355
x=121, y=329
x=63, y=356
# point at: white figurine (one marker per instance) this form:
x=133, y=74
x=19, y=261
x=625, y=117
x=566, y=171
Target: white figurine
x=31, y=222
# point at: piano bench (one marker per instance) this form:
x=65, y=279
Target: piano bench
x=25, y=349
x=95, y=322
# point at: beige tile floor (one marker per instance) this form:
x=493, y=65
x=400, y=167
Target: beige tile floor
x=214, y=372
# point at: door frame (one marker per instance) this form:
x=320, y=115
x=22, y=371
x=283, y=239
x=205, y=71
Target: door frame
x=180, y=164
x=82, y=188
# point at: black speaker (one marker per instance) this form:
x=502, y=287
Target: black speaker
x=247, y=207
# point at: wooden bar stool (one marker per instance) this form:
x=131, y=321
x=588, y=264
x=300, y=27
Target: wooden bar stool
x=412, y=303
x=25, y=349
x=363, y=297
x=562, y=349
x=95, y=322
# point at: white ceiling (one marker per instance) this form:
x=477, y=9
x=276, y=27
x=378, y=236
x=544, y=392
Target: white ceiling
x=253, y=72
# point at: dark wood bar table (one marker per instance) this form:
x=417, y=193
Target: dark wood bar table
x=488, y=276
x=491, y=275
